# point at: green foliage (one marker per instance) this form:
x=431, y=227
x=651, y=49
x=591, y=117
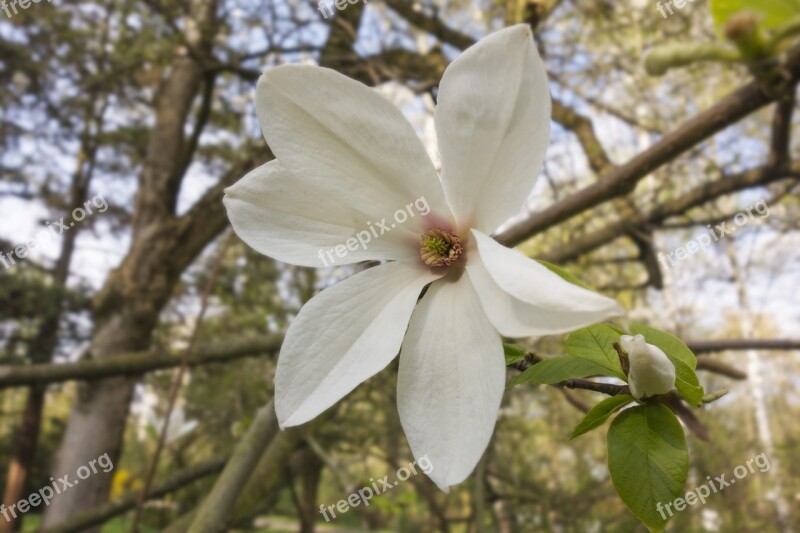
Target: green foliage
x=648, y=460
x=757, y=31
x=647, y=453
x=513, y=352
x=558, y=369
x=772, y=13
x=600, y=413
x=687, y=383
x=595, y=344
x=682, y=357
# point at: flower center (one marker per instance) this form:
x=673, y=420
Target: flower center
x=440, y=247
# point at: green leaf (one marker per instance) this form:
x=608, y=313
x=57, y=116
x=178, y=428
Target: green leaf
x=564, y=274
x=597, y=416
x=771, y=13
x=648, y=460
x=595, y=344
x=687, y=383
x=153, y=432
x=558, y=369
x=514, y=352
x=681, y=356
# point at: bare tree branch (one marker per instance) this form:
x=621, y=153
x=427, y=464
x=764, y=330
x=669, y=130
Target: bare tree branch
x=694, y=198
x=719, y=367
x=214, y=514
x=722, y=345
x=138, y=363
x=782, y=130
x=623, y=179
x=134, y=364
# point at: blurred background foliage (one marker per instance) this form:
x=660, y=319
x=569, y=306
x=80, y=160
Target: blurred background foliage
x=88, y=88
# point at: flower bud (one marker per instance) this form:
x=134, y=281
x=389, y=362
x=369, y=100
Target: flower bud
x=741, y=25
x=651, y=372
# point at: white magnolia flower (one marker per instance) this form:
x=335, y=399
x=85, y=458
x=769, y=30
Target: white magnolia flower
x=346, y=158
x=651, y=372
x=177, y=427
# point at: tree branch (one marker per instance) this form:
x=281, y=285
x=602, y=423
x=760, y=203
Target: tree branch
x=134, y=364
x=137, y=363
x=583, y=129
x=623, y=179
x=605, y=388
x=722, y=345
x=694, y=198
x=214, y=514
x=782, y=130
x=718, y=367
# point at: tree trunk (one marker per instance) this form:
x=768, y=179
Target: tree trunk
x=21, y=462
x=127, y=309
x=44, y=344
x=306, y=472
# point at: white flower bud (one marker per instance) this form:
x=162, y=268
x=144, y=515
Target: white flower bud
x=651, y=372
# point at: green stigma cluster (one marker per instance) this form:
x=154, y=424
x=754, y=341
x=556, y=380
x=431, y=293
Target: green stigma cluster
x=440, y=247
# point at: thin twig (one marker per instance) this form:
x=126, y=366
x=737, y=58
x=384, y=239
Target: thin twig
x=606, y=388
x=611, y=389
x=178, y=380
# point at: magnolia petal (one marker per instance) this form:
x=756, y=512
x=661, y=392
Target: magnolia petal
x=493, y=123
x=344, y=335
x=451, y=381
x=523, y=298
x=344, y=139
x=283, y=218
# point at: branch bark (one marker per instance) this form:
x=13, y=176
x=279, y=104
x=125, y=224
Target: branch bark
x=215, y=512
x=694, y=198
x=623, y=179
x=722, y=345
x=136, y=363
